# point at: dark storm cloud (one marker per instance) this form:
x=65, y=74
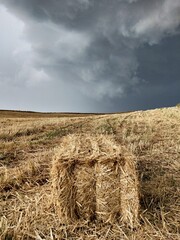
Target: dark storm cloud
x=101, y=50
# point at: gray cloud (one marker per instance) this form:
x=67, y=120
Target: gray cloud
x=93, y=47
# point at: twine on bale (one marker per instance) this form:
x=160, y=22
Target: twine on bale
x=93, y=177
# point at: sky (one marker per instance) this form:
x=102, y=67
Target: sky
x=89, y=55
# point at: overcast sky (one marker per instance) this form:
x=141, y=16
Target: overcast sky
x=89, y=55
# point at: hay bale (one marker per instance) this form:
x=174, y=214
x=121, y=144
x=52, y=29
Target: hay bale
x=94, y=177
x=85, y=183
x=129, y=192
x=73, y=181
x=64, y=190
x=108, y=191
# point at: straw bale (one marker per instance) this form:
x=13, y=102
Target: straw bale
x=108, y=191
x=129, y=192
x=64, y=190
x=85, y=183
x=94, y=177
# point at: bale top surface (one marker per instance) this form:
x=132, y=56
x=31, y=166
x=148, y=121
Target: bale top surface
x=85, y=148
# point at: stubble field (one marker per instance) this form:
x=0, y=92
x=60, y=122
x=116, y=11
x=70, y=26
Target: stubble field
x=27, y=146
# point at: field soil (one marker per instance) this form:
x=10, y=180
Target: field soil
x=27, y=145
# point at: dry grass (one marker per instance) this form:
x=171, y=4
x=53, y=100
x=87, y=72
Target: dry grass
x=30, y=114
x=27, y=146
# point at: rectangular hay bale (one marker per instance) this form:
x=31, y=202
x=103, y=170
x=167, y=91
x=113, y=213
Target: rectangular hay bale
x=108, y=191
x=64, y=191
x=93, y=177
x=85, y=185
x=129, y=193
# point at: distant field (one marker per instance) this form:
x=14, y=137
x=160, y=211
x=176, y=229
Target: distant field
x=26, y=114
x=27, y=143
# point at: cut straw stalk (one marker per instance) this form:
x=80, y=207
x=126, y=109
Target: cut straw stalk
x=93, y=177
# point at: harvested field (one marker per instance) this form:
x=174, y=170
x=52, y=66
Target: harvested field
x=29, y=146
